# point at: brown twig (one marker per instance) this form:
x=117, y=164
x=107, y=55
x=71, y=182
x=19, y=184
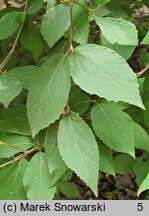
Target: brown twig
x=70, y=48
x=5, y=61
x=19, y=157
x=139, y=74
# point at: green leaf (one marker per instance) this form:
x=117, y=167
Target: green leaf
x=78, y=149
x=8, y=24
x=113, y=81
x=10, y=87
x=54, y=23
x=113, y=127
x=106, y=162
x=123, y=164
x=49, y=92
x=32, y=40
x=14, y=120
x=56, y=165
x=118, y=31
x=117, y=11
x=123, y=50
x=12, y=112
x=100, y=12
x=11, y=181
x=24, y=74
x=12, y=144
x=80, y=24
x=123, y=105
x=144, y=186
x=16, y=125
x=69, y=189
x=20, y=18
x=34, y=6
x=141, y=138
x=135, y=113
x=36, y=179
x=140, y=169
x=65, y=177
x=146, y=39
x=81, y=29
x=79, y=101
x=51, y=3
x=144, y=58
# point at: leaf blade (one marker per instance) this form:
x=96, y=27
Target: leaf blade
x=36, y=179
x=79, y=149
x=118, y=31
x=56, y=165
x=50, y=91
x=57, y=19
x=107, y=117
x=144, y=185
x=10, y=87
x=113, y=81
x=10, y=177
x=8, y=24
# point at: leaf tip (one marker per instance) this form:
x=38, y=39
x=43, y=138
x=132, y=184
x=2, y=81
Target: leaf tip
x=132, y=154
x=95, y=190
x=138, y=193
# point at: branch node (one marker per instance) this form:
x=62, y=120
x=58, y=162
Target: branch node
x=70, y=50
x=93, y=101
x=4, y=72
x=66, y=110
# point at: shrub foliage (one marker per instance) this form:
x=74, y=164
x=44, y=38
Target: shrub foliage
x=70, y=102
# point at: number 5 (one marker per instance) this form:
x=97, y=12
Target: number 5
x=140, y=207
